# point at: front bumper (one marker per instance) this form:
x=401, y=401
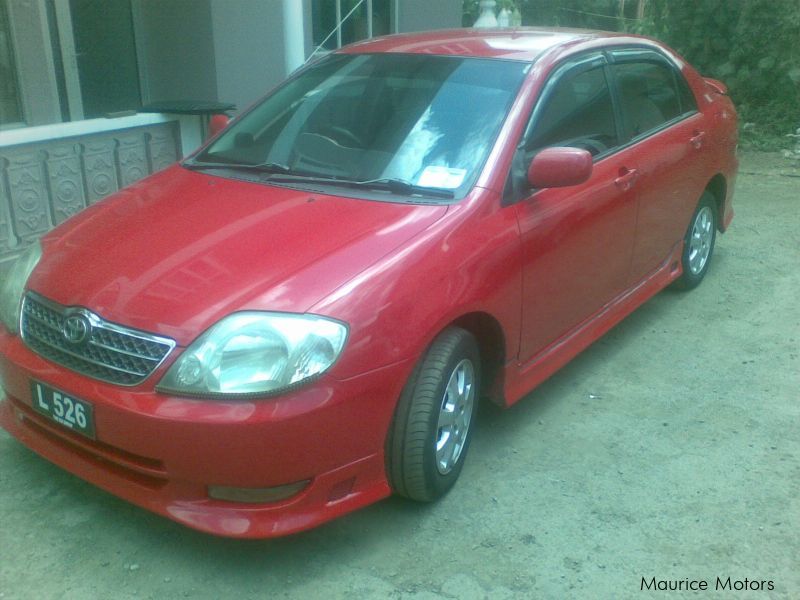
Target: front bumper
x=162, y=452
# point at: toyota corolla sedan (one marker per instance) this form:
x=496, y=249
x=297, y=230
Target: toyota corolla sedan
x=299, y=319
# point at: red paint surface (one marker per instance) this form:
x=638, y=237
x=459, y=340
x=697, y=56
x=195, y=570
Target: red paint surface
x=178, y=251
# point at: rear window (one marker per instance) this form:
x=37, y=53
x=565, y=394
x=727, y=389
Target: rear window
x=648, y=95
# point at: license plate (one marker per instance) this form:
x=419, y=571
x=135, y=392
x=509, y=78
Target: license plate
x=64, y=409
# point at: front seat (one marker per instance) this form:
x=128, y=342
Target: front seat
x=641, y=112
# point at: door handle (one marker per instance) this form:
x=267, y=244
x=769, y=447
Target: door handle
x=697, y=139
x=627, y=177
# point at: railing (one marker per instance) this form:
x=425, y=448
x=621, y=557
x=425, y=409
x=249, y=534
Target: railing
x=49, y=173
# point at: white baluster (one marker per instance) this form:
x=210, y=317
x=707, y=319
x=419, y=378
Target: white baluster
x=487, y=17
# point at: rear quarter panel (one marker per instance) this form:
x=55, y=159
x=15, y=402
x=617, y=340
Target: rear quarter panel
x=722, y=136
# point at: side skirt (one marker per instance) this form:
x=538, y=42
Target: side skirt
x=521, y=379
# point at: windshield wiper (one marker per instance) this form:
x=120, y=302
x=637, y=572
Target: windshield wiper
x=400, y=186
x=266, y=167
x=395, y=186
x=281, y=173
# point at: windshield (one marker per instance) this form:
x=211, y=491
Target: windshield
x=424, y=121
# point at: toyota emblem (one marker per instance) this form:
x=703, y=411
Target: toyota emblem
x=76, y=329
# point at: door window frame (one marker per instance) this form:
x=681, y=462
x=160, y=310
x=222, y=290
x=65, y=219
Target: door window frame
x=12, y=75
x=639, y=54
x=516, y=187
x=35, y=64
x=572, y=68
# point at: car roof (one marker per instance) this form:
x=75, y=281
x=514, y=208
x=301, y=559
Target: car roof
x=519, y=43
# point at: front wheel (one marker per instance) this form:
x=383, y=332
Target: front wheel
x=433, y=421
x=698, y=245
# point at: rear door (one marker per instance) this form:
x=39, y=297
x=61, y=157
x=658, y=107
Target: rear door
x=667, y=140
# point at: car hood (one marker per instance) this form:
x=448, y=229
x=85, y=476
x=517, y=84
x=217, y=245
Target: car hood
x=178, y=251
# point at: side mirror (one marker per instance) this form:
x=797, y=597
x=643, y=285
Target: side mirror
x=559, y=167
x=216, y=124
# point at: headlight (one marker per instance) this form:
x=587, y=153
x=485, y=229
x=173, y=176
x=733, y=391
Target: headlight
x=14, y=285
x=256, y=353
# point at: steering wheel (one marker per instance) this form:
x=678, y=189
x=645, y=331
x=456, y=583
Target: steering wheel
x=589, y=143
x=344, y=137
x=593, y=145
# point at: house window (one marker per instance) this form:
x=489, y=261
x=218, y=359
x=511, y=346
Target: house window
x=10, y=105
x=66, y=60
x=336, y=23
x=105, y=52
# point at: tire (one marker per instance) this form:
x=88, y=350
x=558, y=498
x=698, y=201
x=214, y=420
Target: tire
x=698, y=244
x=434, y=418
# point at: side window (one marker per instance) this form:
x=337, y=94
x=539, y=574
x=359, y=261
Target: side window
x=648, y=95
x=578, y=112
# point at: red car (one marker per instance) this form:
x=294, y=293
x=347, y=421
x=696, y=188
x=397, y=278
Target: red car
x=299, y=319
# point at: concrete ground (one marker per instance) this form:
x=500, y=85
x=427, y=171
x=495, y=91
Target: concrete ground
x=669, y=449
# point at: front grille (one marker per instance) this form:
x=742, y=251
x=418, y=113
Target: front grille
x=107, y=351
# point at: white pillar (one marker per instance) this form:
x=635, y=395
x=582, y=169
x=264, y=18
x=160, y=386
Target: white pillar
x=293, y=35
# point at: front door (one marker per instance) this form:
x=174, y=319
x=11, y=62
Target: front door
x=576, y=241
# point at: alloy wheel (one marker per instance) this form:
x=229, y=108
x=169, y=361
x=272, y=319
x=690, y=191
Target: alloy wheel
x=455, y=416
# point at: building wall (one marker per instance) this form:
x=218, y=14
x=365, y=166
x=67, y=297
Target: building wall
x=234, y=50
x=175, y=49
x=44, y=182
x=424, y=15
x=248, y=43
x=225, y=50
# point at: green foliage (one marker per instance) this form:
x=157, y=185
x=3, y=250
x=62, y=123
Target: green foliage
x=751, y=45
